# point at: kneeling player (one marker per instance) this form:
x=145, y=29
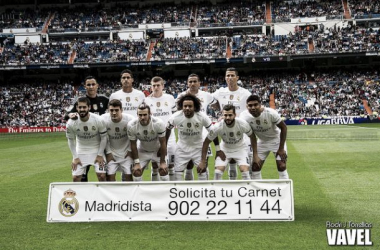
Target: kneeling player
x=232, y=131
x=150, y=131
x=118, y=153
x=87, y=138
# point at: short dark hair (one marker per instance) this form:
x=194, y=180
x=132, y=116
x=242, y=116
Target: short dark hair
x=143, y=106
x=229, y=107
x=254, y=98
x=84, y=99
x=126, y=71
x=158, y=79
x=189, y=97
x=89, y=78
x=115, y=103
x=233, y=69
x=193, y=75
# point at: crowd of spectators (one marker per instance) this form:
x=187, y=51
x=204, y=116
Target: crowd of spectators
x=364, y=8
x=226, y=14
x=297, y=95
x=28, y=18
x=205, y=14
x=34, y=104
x=111, y=51
x=28, y=53
x=189, y=48
x=284, y=11
x=351, y=38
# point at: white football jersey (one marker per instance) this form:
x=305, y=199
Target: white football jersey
x=147, y=135
x=232, y=138
x=264, y=126
x=87, y=134
x=161, y=107
x=130, y=101
x=118, y=142
x=237, y=98
x=205, y=97
x=189, y=129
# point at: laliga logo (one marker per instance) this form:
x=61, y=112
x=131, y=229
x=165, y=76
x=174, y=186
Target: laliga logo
x=68, y=206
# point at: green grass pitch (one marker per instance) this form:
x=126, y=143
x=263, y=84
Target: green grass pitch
x=335, y=170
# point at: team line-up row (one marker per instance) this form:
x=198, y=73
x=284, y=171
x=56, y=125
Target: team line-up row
x=248, y=131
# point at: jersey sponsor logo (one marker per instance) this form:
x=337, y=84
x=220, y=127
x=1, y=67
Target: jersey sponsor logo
x=93, y=128
x=85, y=128
x=189, y=125
x=117, y=129
x=94, y=106
x=158, y=104
x=128, y=99
x=258, y=122
x=68, y=206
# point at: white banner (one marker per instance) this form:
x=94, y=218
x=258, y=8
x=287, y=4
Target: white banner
x=308, y=19
x=177, y=33
x=139, y=35
x=264, y=200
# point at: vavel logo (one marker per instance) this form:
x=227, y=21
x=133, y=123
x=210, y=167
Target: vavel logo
x=349, y=234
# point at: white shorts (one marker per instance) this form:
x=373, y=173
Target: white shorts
x=241, y=158
x=145, y=157
x=265, y=147
x=171, y=147
x=88, y=160
x=183, y=158
x=121, y=164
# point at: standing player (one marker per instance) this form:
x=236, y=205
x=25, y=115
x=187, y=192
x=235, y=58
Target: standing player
x=150, y=131
x=130, y=98
x=236, y=96
x=193, y=84
x=189, y=122
x=162, y=106
x=87, y=138
x=271, y=131
x=232, y=131
x=118, y=153
x=98, y=105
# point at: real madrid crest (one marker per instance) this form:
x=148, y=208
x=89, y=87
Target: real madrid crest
x=258, y=122
x=145, y=132
x=95, y=107
x=117, y=129
x=189, y=125
x=158, y=104
x=231, y=134
x=68, y=206
x=93, y=128
x=136, y=99
x=85, y=128
x=231, y=97
x=128, y=99
x=265, y=121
